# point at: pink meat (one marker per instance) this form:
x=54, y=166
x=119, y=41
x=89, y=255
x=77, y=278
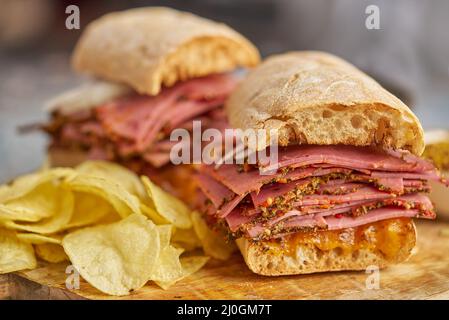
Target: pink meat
x=349, y=156
x=214, y=191
x=139, y=119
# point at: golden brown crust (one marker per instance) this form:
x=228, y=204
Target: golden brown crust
x=317, y=98
x=147, y=48
x=263, y=257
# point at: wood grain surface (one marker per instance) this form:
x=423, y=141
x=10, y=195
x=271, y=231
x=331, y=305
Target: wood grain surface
x=424, y=276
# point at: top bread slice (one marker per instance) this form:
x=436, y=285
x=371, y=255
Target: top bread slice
x=317, y=98
x=148, y=48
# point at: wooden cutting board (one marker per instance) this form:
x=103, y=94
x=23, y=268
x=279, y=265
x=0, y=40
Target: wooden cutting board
x=424, y=276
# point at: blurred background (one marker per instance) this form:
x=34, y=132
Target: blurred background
x=409, y=54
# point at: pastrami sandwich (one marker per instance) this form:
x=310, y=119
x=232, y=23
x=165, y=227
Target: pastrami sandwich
x=349, y=179
x=158, y=69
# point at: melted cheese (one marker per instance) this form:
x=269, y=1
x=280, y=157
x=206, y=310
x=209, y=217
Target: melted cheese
x=387, y=236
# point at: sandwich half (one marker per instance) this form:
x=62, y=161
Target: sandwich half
x=349, y=179
x=156, y=69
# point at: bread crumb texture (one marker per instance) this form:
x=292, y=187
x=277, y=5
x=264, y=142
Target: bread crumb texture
x=317, y=98
x=148, y=48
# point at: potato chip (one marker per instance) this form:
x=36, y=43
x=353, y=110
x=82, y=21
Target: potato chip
x=14, y=254
x=186, y=239
x=36, y=205
x=190, y=265
x=123, y=202
x=3, y=222
x=117, y=173
x=96, y=217
x=51, y=252
x=19, y=187
x=36, y=238
x=109, y=218
x=168, y=267
x=27, y=183
x=165, y=233
x=64, y=209
x=88, y=209
x=169, y=207
x=214, y=244
x=152, y=214
x=117, y=258
x=32, y=197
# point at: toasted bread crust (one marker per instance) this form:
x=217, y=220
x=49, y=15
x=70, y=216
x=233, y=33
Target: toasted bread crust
x=317, y=98
x=148, y=48
x=263, y=257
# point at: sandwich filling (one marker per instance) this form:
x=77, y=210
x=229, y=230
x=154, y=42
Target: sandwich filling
x=388, y=237
x=317, y=188
x=135, y=129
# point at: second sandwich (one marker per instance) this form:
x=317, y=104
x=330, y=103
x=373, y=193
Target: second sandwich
x=160, y=69
x=349, y=177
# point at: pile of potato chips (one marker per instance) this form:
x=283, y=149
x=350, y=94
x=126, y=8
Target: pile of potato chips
x=117, y=230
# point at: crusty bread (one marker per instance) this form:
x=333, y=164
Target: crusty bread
x=264, y=257
x=86, y=96
x=147, y=48
x=317, y=98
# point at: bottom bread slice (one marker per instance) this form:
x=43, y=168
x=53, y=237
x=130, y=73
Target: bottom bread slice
x=378, y=244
